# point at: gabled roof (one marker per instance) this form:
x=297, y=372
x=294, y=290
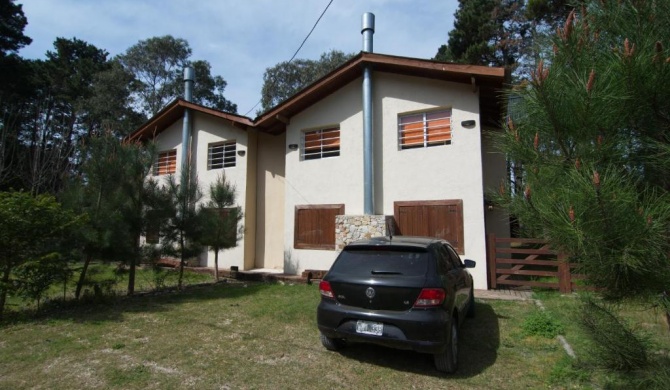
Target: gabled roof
x=487, y=80
x=175, y=111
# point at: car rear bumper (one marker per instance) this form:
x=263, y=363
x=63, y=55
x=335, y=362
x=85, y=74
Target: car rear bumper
x=419, y=330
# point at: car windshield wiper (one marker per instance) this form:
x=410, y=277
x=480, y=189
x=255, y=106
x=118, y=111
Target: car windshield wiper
x=375, y=272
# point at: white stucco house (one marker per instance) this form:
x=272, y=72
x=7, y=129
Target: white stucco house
x=300, y=164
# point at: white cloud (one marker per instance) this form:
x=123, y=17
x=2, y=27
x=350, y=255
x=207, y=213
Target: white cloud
x=242, y=38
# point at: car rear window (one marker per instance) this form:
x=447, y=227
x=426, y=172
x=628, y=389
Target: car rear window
x=381, y=262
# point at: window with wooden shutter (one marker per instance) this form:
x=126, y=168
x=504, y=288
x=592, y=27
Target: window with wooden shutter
x=166, y=163
x=431, y=128
x=221, y=155
x=322, y=143
x=315, y=226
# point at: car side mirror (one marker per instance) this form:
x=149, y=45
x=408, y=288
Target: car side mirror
x=469, y=263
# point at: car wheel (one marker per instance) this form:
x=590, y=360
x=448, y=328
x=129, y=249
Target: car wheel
x=447, y=361
x=331, y=344
x=471, y=304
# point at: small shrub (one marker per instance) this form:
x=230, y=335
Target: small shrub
x=540, y=323
x=616, y=345
x=567, y=370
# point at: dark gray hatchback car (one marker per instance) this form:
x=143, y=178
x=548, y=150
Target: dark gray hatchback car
x=402, y=292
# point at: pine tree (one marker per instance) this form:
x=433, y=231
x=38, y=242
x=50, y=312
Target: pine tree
x=221, y=219
x=592, y=133
x=184, y=224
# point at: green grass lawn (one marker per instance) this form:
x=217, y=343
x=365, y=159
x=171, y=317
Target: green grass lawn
x=245, y=336
x=643, y=317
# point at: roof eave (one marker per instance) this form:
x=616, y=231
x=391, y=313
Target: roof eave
x=174, y=111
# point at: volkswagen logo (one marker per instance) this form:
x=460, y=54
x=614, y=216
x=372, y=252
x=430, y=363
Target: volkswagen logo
x=370, y=292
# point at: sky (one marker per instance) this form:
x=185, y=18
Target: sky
x=242, y=38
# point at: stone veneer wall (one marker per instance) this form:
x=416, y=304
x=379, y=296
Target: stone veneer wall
x=349, y=228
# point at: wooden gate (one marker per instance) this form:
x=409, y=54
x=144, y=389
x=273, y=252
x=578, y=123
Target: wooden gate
x=528, y=262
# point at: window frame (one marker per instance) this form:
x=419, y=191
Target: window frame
x=298, y=238
x=165, y=163
x=319, y=148
x=222, y=164
x=422, y=129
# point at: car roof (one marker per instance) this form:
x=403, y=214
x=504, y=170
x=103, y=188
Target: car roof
x=404, y=241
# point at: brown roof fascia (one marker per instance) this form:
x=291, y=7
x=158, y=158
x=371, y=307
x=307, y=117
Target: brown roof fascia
x=174, y=111
x=488, y=77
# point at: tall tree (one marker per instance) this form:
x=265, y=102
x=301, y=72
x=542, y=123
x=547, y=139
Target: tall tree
x=592, y=132
x=139, y=195
x=157, y=64
x=286, y=78
x=487, y=32
x=12, y=24
x=97, y=194
x=507, y=33
x=222, y=219
x=15, y=75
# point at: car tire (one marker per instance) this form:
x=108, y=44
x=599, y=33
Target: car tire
x=471, y=305
x=447, y=361
x=331, y=344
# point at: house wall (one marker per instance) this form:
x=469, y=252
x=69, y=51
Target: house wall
x=324, y=181
x=207, y=129
x=270, y=170
x=435, y=173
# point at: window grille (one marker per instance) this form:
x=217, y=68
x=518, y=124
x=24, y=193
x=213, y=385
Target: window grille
x=424, y=129
x=321, y=143
x=166, y=163
x=221, y=155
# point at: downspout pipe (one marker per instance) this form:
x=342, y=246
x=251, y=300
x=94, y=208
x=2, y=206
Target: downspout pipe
x=189, y=79
x=368, y=29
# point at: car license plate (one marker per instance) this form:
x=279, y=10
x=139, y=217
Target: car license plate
x=367, y=327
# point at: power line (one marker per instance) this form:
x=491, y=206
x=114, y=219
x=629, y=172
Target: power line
x=301, y=45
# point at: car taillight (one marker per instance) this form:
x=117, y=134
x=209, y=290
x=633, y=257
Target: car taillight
x=326, y=290
x=430, y=297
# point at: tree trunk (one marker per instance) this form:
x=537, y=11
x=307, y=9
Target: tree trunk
x=3, y=290
x=181, y=262
x=82, y=276
x=131, y=272
x=216, y=264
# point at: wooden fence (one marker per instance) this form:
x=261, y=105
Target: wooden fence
x=528, y=262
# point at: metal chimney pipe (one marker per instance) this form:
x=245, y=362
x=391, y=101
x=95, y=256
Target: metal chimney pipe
x=368, y=29
x=189, y=79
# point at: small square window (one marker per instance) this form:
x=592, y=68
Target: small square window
x=424, y=129
x=166, y=163
x=323, y=143
x=221, y=155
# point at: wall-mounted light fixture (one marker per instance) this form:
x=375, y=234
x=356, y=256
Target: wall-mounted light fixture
x=293, y=146
x=241, y=153
x=468, y=123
